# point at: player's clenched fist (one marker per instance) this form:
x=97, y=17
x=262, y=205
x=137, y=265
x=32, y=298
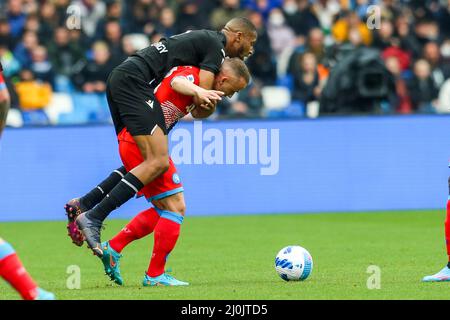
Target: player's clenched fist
x=207, y=99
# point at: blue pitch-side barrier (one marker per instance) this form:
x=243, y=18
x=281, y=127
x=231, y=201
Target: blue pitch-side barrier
x=329, y=164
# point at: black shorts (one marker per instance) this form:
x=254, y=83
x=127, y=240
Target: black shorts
x=132, y=102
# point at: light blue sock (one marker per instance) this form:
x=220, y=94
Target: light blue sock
x=5, y=249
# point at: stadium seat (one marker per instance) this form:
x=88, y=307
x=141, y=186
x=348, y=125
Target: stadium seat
x=87, y=108
x=275, y=98
x=14, y=118
x=286, y=81
x=60, y=103
x=276, y=114
x=295, y=110
x=75, y=117
x=35, y=118
x=86, y=101
x=82, y=103
x=63, y=84
x=101, y=114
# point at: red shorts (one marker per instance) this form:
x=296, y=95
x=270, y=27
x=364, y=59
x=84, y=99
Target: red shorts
x=165, y=185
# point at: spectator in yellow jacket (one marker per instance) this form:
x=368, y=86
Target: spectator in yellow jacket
x=32, y=93
x=350, y=20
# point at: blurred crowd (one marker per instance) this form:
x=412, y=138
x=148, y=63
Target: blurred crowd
x=318, y=57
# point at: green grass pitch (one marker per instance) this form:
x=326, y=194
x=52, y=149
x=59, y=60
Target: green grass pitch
x=233, y=257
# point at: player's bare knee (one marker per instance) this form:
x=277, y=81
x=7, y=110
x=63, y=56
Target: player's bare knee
x=177, y=203
x=180, y=208
x=173, y=203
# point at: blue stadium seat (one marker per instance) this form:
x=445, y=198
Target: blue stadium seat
x=295, y=110
x=35, y=118
x=75, y=117
x=101, y=114
x=85, y=101
x=286, y=81
x=63, y=84
x=88, y=108
x=276, y=114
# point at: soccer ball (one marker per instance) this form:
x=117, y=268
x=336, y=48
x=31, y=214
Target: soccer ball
x=293, y=263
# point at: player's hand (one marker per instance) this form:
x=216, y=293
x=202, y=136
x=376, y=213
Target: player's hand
x=209, y=106
x=207, y=99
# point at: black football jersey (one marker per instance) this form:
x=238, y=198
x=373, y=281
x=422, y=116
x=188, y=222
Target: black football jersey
x=201, y=48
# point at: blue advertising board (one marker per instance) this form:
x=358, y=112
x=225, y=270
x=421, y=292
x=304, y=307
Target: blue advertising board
x=242, y=167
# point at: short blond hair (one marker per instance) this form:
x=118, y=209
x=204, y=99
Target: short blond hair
x=238, y=67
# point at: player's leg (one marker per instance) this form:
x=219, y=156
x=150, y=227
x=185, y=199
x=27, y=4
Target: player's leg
x=167, y=196
x=94, y=196
x=144, y=223
x=13, y=271
x=166, y=233
x=133, y=106
x=140, y=226
x=77, y=206
x=165, y=220
x=156, y=161
x=444, y=274
x=165, y=186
